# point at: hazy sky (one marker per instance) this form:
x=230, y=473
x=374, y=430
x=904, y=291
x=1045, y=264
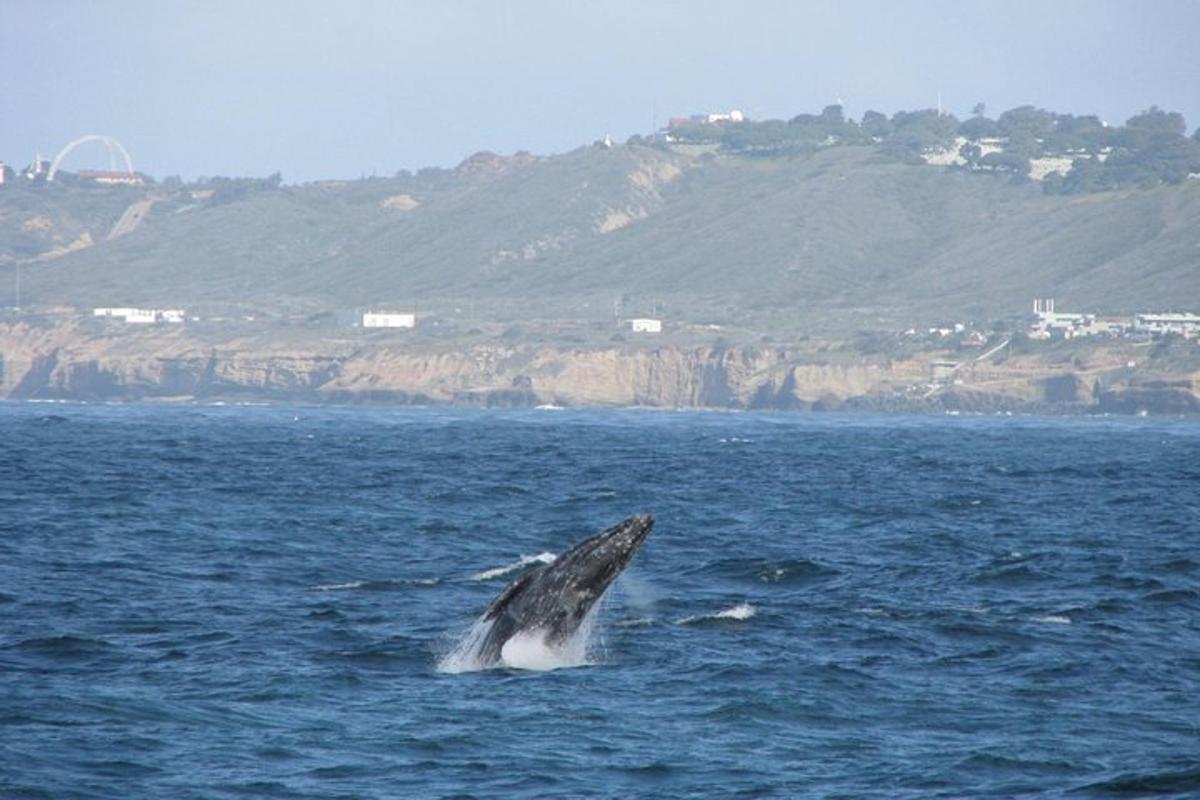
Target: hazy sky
x=343, y=88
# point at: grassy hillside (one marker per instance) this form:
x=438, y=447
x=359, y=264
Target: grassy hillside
x=840, y=239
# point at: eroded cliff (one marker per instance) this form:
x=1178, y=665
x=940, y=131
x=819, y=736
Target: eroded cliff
x=81, y=361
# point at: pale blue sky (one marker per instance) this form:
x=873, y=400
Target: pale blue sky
x=347, y=88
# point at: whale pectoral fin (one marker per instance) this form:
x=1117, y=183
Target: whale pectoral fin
x=510, y=593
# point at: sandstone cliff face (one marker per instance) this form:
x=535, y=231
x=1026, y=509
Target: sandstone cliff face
x=75, y=361
x=67, y=362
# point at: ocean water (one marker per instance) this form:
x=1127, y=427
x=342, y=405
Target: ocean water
x=232, y=602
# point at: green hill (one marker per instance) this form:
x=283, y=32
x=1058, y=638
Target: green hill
x=839, y=239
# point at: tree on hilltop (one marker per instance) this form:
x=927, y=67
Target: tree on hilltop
x=876, y=125
x=1155, y=120
x=979, y=127
x=1038, y=122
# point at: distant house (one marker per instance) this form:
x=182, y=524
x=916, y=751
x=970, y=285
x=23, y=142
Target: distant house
x=721, y=117
x=115, y=313
x=645, y=325
x=1186, y=325
x=108, y=177
x=388, y=319
x=716, y=118
x=1047, y=322
x=142, y=316
x=6, y=173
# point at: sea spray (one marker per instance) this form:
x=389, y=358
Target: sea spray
x=527, y=650
x=523, y=561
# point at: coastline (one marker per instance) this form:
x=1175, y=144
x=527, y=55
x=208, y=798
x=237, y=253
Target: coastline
x=80, y=362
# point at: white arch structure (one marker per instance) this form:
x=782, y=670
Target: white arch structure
x=114, y=147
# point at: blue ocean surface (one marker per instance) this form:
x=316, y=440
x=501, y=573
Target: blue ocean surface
x=233, y=602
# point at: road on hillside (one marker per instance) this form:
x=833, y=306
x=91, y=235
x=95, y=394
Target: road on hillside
x=132, y=217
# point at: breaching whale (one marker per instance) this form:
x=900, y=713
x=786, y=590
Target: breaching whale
x=552, y=600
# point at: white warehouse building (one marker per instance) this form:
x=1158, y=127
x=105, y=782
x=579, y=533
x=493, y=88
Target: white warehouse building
x=645, y=325
x=387, y=319
x=141, y=316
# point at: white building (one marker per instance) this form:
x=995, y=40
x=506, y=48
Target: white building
x=732, y=116
x=1186, y=325
x=1048, y=322
x=387, y=319
x=645, y=325
x=142, y=316
x=117, y=313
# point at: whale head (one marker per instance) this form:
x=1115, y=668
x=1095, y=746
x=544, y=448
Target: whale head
x=591, y=566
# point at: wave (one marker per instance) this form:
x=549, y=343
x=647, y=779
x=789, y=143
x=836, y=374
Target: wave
x=1184, y=596
x=739, y=613
x=761, y=570
x=375, y=585
x=523, y=561
x=1147, y=783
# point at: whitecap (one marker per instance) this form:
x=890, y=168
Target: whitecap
x=1053, y=619
x=333, y=587
x=336, y=587
x=739, y=613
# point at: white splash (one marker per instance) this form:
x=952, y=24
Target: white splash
x=740, y=613
x=1053, y=620
x=524, y=561
x=528, y=650
x=333, y=587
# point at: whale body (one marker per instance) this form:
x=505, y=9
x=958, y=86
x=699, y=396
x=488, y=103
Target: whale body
x=553, y=600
